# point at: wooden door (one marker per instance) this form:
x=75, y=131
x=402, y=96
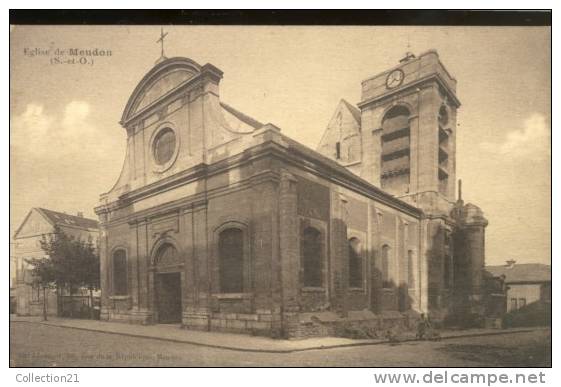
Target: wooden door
x=169, y=298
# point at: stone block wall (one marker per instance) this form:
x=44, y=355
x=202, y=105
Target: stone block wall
x=364, y=321
x=259, y=324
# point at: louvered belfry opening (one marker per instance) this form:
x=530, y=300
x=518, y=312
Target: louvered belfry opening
x=395, y=163
x=443, y=150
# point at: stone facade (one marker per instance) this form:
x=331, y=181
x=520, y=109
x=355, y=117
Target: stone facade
x=221, y=223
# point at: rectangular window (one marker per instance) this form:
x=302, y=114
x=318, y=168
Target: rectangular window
x=120, y=279
x=355, y=263
x=311, y=254
x=230, y=245
x=36, y=293
x=410, y=270
x=386, y=280
x=521, y=302
x=338, y=150
x=513, y=304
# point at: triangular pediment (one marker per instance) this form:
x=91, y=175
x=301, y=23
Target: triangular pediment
x=342, y=138
x=34, y=224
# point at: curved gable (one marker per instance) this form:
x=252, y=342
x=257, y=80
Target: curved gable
x=158, y=82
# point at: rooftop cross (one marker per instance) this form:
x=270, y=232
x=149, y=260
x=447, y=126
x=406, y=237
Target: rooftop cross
x=408, y=54
x=161, y=41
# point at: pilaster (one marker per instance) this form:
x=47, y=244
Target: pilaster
x=289, y=251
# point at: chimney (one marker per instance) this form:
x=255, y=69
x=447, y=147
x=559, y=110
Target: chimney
x=80, y=214
x=510, y=263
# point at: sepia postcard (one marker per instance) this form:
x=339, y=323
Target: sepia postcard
x=280, y=195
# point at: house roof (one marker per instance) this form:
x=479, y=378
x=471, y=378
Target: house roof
x=62, y=219
x=522, y=272
x=353, y=109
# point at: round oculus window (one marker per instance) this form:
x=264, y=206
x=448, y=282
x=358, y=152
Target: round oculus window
x=164, y=146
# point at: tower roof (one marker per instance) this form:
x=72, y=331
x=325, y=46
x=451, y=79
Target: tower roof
x=353, y=109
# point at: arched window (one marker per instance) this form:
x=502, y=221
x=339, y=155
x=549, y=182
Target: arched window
x=410, y=269
x=311, y=257
x=120, y=286
x=230, y=248
x=395, y=150
x=355, y=263
x=386, y=281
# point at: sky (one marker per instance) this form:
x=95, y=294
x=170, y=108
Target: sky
x=67, y=147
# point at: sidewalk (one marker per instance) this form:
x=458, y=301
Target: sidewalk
x=236, y=342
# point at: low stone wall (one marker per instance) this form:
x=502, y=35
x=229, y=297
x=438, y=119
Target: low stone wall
x=130, y=317
x=357, y=324
x=261, y=323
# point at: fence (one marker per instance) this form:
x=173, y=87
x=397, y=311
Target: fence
x=79, y=306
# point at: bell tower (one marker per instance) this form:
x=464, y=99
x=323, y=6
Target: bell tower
x=408, y=117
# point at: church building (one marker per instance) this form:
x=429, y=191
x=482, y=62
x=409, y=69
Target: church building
x=221, y=223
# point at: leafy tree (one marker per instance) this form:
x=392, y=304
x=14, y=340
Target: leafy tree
x=88, y=258
x=58, y=247
x=71, y=264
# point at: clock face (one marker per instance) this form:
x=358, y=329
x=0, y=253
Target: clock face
x=394, y=79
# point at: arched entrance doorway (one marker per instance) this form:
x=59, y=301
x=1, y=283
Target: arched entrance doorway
x=168, y=284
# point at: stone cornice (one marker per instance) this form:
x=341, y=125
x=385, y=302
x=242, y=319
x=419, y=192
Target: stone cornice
x=192, y=203
x=418, y=58
x=171, y=182
x=141, y=218
x=405, y=88
x=296, y=157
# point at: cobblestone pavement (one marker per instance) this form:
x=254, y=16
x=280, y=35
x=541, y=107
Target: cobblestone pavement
x=46, y=346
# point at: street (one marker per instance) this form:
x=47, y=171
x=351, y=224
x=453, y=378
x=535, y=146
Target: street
x=49, y=346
